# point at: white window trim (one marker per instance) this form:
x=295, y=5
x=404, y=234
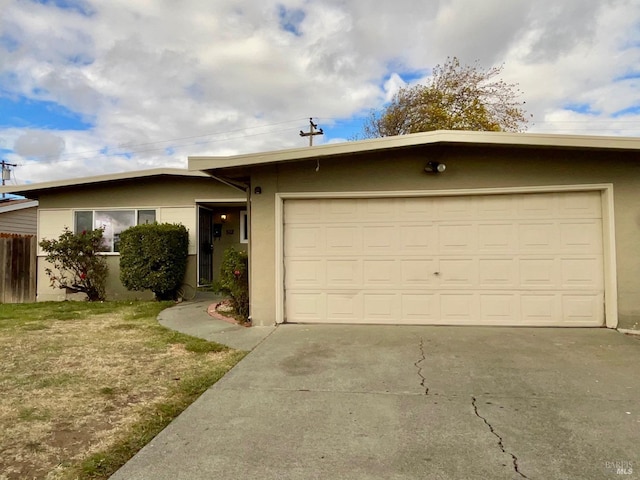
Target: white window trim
x=106, y=209
x=608, y=230
x=244, y=220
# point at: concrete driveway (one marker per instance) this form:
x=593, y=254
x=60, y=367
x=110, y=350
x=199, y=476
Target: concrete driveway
x=385, y=402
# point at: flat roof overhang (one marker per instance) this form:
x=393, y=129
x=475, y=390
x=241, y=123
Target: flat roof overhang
x=241, y=163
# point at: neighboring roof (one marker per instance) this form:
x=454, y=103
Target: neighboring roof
x=112, y=177
x=441, y=137
x=13, y=205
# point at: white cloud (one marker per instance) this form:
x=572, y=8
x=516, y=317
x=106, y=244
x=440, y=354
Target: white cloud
x=227, y=72
x=44, y=145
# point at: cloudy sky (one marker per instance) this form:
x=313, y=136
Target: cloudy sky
x=95, y=86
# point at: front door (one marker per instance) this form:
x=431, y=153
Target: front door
x=205, y=246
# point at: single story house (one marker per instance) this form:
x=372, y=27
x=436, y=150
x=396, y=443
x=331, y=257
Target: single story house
x=445, y=227
x=18, y=216
x=213, y=212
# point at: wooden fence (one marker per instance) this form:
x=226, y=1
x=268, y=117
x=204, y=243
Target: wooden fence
x=17, y=268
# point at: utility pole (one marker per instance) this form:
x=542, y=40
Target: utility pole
x=312, y=132
x=6, y=173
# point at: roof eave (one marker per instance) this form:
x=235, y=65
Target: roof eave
x=34, y=188
x=440, y=137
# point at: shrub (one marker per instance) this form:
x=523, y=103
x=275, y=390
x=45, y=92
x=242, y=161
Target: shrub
x=154, y=257
x=234, y=281
x=77, y=263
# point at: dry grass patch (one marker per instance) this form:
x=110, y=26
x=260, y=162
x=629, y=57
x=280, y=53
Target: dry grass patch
x=84, y=386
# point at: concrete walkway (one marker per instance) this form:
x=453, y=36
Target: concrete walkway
x=385, y=402
x=192, y=318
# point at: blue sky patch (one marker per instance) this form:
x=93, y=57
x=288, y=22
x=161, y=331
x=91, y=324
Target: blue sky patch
x=9, y=43
x=627, y=76
x=290, y=19
x=635, y=110
x=26, y=113
x=79, y=6
x=344, y=128
x=399, y=67
x=583, y=108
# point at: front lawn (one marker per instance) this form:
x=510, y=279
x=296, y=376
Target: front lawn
x=86, y=385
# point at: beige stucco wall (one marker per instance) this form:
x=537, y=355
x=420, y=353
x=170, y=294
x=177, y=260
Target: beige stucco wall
x=467, y=168
x=173, y=198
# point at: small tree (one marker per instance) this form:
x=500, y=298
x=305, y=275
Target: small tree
x=77, y=265
x=154, y=257
x=234, y=281
x=456, y=97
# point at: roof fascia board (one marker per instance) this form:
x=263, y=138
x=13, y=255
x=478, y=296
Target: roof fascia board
x=73, y=182
x=18, y=206
x=506, y=139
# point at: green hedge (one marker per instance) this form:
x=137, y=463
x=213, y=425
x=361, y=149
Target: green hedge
x=154, y=257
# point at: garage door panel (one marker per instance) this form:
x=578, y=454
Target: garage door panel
x=496, y=207
x=303, y=211
x=381, y=273
x=538, y=237
x=458, y=272
x=497, y=237
x=452, y=208
x=305, y=274
x=418, y=273
x=412, y=209
x=345, y=306
x=540, y=309
x=582, y=309
x=456, y=238
x=580, y=205
x=418, y=237
x=381, y=307
x=538, y=272
x=304, y=241
x=343, y=273
x=498, y=273
x=536, y=205
x=459, y=307
x=343, y=240
x=306, y=307
x=511, y=259
x=584, y=236
x=502, y=309
x=420, y=308
x=375, y=210
x=379, y=239
x=338, y=210
x=581, y=272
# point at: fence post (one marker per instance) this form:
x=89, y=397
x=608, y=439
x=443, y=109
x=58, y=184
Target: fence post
x=18, y=268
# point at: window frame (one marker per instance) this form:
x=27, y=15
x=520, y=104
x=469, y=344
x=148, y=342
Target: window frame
x=244, y=226
x=111, y=243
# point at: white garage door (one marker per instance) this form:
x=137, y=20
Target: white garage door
x=525, y=259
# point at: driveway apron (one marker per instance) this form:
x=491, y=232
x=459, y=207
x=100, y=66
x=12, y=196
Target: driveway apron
x=402, y=402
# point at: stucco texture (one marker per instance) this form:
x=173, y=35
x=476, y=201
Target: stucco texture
x=467, y=169
x=174, y=199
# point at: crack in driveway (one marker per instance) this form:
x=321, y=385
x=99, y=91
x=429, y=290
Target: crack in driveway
x=514, y=459
x=423, y=379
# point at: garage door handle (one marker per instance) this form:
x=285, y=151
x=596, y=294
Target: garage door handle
x=436, y=273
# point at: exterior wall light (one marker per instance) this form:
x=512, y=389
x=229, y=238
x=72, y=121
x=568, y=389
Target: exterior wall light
x=435, y=167
x=223, y=217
